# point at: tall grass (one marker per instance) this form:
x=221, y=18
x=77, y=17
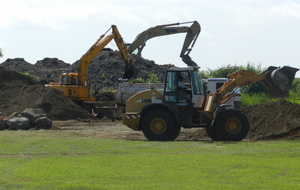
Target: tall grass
x=294, y=97
x=254, y=99
x=261, y=98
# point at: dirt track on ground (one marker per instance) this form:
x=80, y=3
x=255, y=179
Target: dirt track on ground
x=116, y=130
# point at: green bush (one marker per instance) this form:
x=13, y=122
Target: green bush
x=153, y=78
x=137, y=80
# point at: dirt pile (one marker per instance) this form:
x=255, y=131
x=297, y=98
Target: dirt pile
x=273, y=120
x=270, y=121
x=104, y=71
x=19, y=92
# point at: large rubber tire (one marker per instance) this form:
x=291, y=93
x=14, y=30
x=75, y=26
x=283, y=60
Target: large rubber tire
x=160, y=125
x=231, y=125
x=211, y=132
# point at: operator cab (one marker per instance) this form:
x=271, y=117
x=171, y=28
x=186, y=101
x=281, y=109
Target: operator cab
x=68, y=79
x=184, y=85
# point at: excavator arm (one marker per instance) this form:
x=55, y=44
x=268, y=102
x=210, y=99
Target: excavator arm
x=75, y=86
x=276, y=81
x=168, y=29
x=97, y=47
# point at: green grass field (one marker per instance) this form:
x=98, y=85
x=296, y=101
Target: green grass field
x=60, y=160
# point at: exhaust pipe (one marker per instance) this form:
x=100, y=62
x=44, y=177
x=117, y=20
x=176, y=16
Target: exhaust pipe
x=278, y=81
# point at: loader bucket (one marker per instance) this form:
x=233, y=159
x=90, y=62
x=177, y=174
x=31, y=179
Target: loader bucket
x=278, y=81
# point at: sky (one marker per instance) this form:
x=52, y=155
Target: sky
x=235, y=32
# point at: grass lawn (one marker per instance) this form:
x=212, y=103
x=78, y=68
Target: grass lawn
x=59, y=160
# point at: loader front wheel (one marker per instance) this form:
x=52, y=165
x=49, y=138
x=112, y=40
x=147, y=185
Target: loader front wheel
x=231, y=125
x=210, y=132
x=160, y=125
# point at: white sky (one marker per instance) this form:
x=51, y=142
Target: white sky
x=265, y=32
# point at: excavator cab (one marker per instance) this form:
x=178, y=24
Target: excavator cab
x=278, y=80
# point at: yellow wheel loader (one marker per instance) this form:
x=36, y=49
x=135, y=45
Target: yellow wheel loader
x=160, y=115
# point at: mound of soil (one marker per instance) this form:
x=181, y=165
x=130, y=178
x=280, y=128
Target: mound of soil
x=273, y=120
x=19, y=92
x=104, y=71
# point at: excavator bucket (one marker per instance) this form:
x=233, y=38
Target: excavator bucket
x=130, y=71
x=278, y=81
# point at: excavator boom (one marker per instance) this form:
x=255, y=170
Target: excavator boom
x=192, y=32
x=97, y=47
x=75, y=86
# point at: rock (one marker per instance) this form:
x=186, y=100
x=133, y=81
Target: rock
x=32, y=115
x=18, y=123
x=43, y=123
x=15, y=114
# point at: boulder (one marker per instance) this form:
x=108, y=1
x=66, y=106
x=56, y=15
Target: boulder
x=43, y=123
x=32, y=115
x=18, y=123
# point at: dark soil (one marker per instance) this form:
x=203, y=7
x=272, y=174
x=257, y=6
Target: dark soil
x=104, y=71
x=19, y=92
x=274, y=120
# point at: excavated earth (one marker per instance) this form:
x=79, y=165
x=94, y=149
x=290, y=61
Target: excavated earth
x=274, y=120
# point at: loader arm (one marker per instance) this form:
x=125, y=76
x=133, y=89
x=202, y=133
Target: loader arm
x=276, y=81
x=168, y=29
x=96, y=48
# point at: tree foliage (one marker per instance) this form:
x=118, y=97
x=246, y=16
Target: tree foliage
x=1, y=54
x=296, y=86
x=225, y=70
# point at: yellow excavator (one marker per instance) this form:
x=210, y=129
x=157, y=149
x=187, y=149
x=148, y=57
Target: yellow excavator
x=76, y=86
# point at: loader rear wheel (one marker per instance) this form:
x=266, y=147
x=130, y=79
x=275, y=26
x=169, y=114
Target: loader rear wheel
x=160, y=125
x=231, y=125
